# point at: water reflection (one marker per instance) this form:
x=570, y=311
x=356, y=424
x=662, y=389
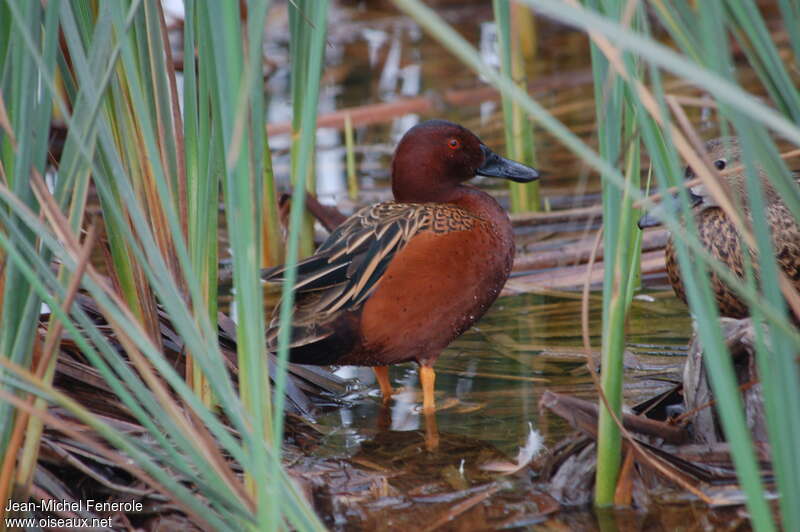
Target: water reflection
x=489, y=381
x=488, y=387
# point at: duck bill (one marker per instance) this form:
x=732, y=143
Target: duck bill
x=496, y=166
x=670, y=205
x=650, y=219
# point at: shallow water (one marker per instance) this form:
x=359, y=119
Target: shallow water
x=490, y=380
x=375, y=467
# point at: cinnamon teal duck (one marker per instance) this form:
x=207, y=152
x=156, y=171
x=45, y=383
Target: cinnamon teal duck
x=398, y=281
x=719, y=235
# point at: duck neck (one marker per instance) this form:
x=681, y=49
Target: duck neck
x=464, y=196
x=485, y=207
x=478, y=203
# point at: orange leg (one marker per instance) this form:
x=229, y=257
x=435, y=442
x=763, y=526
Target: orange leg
x=382, y=374
x=431, y=430
x=427, y=377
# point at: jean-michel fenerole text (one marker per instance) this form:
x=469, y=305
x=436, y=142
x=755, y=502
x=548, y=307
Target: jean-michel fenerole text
x=88, y=505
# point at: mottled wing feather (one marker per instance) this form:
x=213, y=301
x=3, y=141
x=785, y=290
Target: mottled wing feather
x=786, y=240
x=721, y=238
x=347, y=267
x=319, y=279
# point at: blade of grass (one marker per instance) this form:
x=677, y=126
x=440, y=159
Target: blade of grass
x=22, y=152
x=350, y=158
x=518, y=128
x=790, y=13
x=242, y=208
x=776, y=360
x=307, y=105
x=150, y=254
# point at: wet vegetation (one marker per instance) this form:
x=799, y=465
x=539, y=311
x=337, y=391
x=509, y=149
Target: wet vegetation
x=183, y=143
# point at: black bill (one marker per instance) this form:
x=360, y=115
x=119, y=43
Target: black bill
x=671, y=204
x=496, y=166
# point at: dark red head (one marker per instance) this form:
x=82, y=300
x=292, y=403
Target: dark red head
x=433, y=158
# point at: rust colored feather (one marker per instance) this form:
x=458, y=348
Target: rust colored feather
x=348, y=266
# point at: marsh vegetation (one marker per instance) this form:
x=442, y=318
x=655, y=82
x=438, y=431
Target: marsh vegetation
x=133, y=358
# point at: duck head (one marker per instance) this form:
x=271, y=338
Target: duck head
x=725, y=153
x=435, y=157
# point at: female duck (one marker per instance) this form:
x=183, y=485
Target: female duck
x=399, y=281
x=721, y=238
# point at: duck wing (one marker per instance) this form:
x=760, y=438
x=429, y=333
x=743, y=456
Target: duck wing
x=346, y=268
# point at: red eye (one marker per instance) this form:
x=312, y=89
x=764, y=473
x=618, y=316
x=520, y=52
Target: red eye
x=454, y=144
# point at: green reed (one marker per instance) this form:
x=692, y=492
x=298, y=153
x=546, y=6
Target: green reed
x=157, y=174
x=514, y=28
x=23, y=149
x=618, y=140
x=307, y=47
x=350, y=158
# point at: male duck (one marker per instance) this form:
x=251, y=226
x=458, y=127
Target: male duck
x=398, y=281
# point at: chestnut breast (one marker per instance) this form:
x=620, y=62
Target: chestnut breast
x=435, y=289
